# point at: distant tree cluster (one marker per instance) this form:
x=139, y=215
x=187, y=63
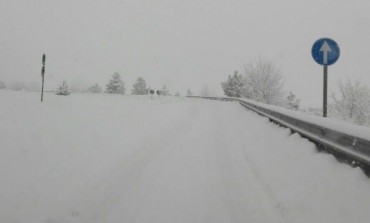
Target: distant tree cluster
x=117, y=86
x=261, y=81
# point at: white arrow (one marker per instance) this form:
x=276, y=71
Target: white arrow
x=325, y=48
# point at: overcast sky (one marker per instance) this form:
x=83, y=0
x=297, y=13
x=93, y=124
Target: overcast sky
x=182, y=43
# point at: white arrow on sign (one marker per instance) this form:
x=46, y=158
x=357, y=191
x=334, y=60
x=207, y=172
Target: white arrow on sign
x=325, y=48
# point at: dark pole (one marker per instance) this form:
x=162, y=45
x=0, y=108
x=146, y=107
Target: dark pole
x=42, y=75
x=325, y=107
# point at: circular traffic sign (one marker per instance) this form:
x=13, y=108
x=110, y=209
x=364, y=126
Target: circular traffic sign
x=325, y=51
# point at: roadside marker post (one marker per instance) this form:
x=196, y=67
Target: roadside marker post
x=43, y=75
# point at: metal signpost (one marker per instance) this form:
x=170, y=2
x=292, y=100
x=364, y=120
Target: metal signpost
x=325, y=52
x=42, y=75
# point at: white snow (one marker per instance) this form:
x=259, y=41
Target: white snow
x=112, y=158
x=330, y=123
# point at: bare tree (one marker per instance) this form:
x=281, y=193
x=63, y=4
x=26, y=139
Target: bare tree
x=263, y=82
x=354, y=102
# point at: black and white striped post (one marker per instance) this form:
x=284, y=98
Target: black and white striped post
x=43, y=76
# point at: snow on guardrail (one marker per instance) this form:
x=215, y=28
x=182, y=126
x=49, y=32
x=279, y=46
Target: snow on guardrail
x=350, y=143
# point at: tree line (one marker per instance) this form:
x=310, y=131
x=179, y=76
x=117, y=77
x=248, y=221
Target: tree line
x=261, y=81
x=117, y=86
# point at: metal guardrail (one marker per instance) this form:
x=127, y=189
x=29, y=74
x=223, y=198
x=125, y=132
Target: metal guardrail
x=349, y=148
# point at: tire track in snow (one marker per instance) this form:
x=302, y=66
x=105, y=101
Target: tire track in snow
x=250, y=165
x=198, y=179
x=123, y=176
x=247, y=169
x=190, y=171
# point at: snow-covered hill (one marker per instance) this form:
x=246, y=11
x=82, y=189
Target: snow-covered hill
x=112, y=158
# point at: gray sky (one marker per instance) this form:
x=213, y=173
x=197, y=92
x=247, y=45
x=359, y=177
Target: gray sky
x=182, y=43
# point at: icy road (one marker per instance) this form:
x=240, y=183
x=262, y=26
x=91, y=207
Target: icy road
x=118, y=159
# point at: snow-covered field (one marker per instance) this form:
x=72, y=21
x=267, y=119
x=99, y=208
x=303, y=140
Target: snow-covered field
x=111, y=158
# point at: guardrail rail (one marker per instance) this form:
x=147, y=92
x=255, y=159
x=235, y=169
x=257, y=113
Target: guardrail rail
x=351, y=149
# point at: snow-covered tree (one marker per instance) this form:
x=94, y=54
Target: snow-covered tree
x=139, y=88
x=263, y=82
x=63, y=89
x=177, y=94
x=293, y=102
x=95, y=89
x=115, y=85
x=354, y=102
x=2, y=85
x=189, y=92
x=234, y=85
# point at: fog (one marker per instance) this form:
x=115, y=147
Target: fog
x=181, y=44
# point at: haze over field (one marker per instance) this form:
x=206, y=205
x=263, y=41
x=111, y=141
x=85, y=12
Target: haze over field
x=183, y=44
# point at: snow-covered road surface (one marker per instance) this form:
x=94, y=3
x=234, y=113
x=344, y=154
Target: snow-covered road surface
x=108, y=158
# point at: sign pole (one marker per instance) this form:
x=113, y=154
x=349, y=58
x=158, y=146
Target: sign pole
x=325, y=101
x=43, y=75
x=325, y=52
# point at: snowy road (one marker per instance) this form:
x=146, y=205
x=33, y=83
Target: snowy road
x=112, y=159
x=195, y=172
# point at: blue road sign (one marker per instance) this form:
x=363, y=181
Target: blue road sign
x=325, y=51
